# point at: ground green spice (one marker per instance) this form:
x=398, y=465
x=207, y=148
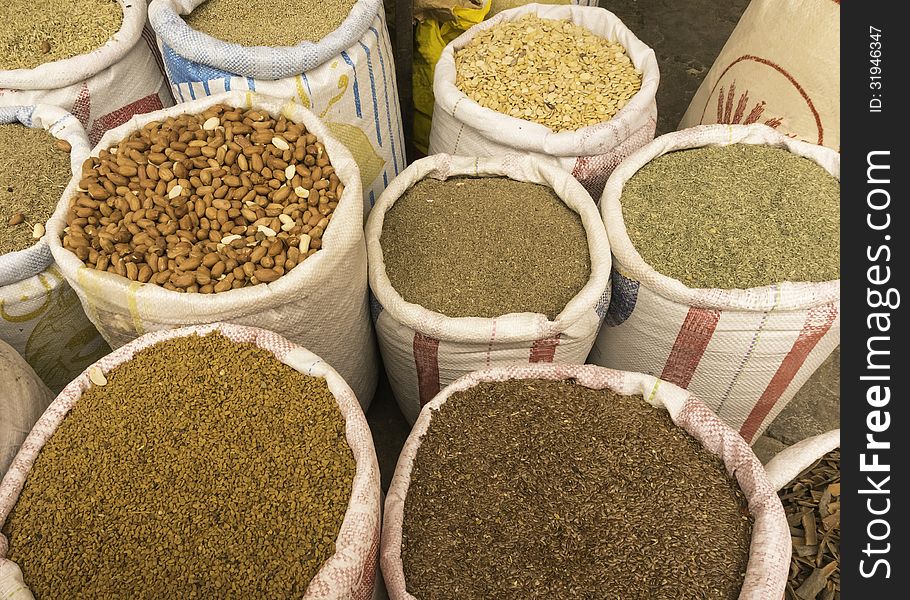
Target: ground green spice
x=204, y=468
x=485, y=247
x=35, y=33
x=34, y=170
x=812, y=504
x=269, y=22
x=735, y=216
x=542, y=489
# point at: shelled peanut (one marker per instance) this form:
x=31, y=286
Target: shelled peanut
x=205, y=203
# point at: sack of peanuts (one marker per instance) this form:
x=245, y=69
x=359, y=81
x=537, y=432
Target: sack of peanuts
x=206, y=208
x=780, y=67
x=41, y=147
x=480, y=262
x=333, y=58
x=23, y=398
x=726, y=274
x=275, y=441
x=585, y=129
x=93, y=59
x=566, y=467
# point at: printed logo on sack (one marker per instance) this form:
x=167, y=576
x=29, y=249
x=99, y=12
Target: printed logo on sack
x=624, y=295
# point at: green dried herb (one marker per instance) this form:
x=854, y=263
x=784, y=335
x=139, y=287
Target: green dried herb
x=269, y=22
x=812, y=504
x=34, y=171
x=735, y=216
x=35, y=33
x=202, y=468
x=547, y=489
x=485, y=247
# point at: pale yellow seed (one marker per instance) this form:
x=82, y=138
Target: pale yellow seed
x=96, y=376
x=302, y=192
x=290, y=171
x=38, y=231
x=211, y=124
x=267, y=231
x=304, y=242
x=175, y=191
x=280, y=143
x=229, y=238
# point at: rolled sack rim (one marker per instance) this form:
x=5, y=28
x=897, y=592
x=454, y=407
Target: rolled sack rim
x=259, y=62
x=629, y=262
x=62, y=73
x=22, y=264
x=793, y=460
x=198, y=309
x=516, y=327
x=530, y=136
x=365, y=487
x=766, y=571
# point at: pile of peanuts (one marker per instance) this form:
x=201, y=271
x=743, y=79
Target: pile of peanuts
x=205, y=203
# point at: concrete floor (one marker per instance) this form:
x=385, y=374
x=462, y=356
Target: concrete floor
x=686, y=37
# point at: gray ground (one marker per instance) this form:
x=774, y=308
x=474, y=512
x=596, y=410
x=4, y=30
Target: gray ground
x=686, y=36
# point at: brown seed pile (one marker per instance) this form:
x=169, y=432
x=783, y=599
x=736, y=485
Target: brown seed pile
x=544, y=489
x=735, y=216
x=485, y=247
x=269, y=22
x=548, y=71
x=205, y=203
x=202, y=468
x=34, y=170
x=812, y=504
x=35, y=33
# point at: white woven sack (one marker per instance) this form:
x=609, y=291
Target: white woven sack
x=40, y=315
x=103, y=88
x=744, y=353
x=769, y=552
x=781, y=67
x=321, y=303
x=349, y=574
x=423, y=351
x=791, y=461
x=347, y=78
x=463, y=127
x=23, y=398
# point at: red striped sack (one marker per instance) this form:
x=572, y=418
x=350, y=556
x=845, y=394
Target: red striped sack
x=424, y=351
x=744, y=353
x=102, y=88
x=769, y=554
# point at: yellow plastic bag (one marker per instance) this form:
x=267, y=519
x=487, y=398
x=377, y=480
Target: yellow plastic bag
x=431, y=37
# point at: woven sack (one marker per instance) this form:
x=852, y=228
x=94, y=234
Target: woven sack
x=347, y=78
x=320, y=304
x=423, y=351
x=103, y=88
x=744, y=353
x=40, y=315
x=349, y=574
x=23, y=397
x=791, y=461
x=461, y=126
x=769, y=555
x=780, y=67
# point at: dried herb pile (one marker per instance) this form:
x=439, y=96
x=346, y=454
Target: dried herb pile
x=812, y=504
x=35, y=33
x=735, y=216
x=542, y=489
x=485, y=247
x=269, y=22
x=34, y=171
x=202, y=468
